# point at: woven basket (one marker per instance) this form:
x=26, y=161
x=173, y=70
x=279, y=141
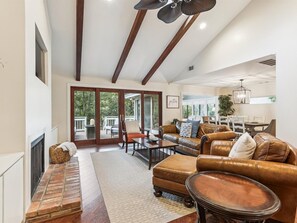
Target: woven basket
x=57, y=155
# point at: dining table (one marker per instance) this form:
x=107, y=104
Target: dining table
x=250, y=126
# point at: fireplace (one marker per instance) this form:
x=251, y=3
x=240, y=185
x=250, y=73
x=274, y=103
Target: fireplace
x=37, y=162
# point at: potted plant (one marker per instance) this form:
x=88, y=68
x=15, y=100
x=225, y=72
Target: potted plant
x=225, y=105
x=175, y=120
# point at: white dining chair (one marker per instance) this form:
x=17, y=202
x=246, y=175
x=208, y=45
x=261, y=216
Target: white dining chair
x=224, y=120
x=238, y=125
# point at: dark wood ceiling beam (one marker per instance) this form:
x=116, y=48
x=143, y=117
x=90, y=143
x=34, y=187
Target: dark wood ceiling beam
x=181, y=32
x=79, y=35
x=132, y=36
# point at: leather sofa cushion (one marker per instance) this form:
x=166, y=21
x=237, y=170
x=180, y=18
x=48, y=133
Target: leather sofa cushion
x=176, y=168
x=193, y=143
x=270, y=148
x=222, y=128
x=187, y=151
x=205, y=128
x=172, y=137
x=168, y=129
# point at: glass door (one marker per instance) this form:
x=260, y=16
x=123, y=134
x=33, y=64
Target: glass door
x=109, y=116
x=97, y=113
x=133, y=106
x=152, y=112
x=83, y=126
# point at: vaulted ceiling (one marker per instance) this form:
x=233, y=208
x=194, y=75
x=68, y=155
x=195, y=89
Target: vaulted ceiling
x=253, y=72
x=106, y=28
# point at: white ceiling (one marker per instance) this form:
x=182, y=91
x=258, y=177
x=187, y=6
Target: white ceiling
x=107, y=25
x=252, y=72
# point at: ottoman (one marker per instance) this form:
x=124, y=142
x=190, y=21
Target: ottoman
x=170, y=175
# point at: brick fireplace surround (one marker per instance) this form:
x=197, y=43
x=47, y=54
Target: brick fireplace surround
x=58, y=193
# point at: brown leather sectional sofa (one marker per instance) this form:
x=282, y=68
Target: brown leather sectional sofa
x=201, y=143
x=274, y=164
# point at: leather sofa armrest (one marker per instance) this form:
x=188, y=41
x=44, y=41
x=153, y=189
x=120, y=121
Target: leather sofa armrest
x=228, y=135
x=167, y=129
x=221, y=148
x=265, y=172
x=208, y=138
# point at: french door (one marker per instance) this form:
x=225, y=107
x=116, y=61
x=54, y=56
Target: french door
x=83, y=115
x=97, y=113
x=109, y=112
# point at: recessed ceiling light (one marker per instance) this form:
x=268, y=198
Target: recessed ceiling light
x=202, y=25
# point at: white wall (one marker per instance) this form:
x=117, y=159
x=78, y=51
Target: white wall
x=12, y=73
x=61, y=97
x=262, y=29
x=38, y=94
x=25, y=101
x=268, y=111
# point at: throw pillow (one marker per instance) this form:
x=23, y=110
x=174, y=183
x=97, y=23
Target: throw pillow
x=178, y=126
x=244, y=147
x=270, y=148
x=185, y=130
x=195, y=127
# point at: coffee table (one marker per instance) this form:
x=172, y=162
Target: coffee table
x=153, y=152
x=231, y=196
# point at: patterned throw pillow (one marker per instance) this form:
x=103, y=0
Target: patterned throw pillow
x=186, y=130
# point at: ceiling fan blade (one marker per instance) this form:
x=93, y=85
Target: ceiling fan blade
x=192, y=7
x=150, y=4
x=170, y=12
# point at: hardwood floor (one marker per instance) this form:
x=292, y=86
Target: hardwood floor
x=94, y=210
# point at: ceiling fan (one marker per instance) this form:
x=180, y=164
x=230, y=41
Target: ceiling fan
x=170, y=12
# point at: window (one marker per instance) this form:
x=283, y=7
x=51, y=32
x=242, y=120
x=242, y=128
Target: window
x=40, y=57
x=196, y=106
x=263, y=100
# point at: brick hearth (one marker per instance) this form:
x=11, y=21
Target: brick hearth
x=58, y=193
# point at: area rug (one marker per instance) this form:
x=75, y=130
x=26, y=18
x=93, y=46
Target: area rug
x=127, y=189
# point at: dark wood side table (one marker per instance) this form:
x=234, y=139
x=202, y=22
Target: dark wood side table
x=231, y=196
x=153, y=152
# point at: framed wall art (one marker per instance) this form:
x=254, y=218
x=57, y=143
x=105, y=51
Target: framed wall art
x=172, y=101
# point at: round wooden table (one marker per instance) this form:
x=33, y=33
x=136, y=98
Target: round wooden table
x=231, y=196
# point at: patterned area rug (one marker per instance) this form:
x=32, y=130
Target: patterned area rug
x=126, y=185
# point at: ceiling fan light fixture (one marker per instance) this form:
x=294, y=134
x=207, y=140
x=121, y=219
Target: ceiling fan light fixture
x=192, y=7
x=173, y=5
x=170, y=13
x=176, y=8
x=150, y=4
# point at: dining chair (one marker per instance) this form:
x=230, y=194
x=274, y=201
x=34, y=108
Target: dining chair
x=212, y=119
x=205, y=119
x=238, y=125
x=271, y=129
x=224, y=120
x=260, y=119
